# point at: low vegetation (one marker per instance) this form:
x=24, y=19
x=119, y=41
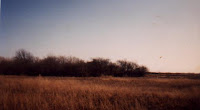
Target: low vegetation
x=98, y=93
x=24, y=63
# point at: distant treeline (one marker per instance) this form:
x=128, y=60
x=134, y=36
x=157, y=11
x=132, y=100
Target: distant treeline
x=24, y=63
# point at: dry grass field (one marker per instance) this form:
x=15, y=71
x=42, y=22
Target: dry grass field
x=100, y=93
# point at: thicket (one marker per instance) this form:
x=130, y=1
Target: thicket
x=24, y=63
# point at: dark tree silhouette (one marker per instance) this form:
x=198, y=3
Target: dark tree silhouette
x=24, y=63
x=23, y=56
x=127, y=68
x=98, y=66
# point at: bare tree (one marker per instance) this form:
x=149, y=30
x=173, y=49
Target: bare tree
x=1, y=59
x=23, y=56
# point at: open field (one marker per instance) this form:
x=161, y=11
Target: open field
x=100, y=93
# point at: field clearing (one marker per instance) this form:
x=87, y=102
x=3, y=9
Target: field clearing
x=98, y=93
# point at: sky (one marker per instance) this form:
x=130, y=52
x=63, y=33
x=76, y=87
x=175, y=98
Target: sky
x=163, y=35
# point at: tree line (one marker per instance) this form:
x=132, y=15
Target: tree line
x=24, y=63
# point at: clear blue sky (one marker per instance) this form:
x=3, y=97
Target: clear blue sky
x=136, y=30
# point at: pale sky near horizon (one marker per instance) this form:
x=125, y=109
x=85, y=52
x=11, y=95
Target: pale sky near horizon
x=136, y=30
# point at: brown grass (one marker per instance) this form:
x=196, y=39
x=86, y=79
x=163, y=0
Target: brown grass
x=102, y=93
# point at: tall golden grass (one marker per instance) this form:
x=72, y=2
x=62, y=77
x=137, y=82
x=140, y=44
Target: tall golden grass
x=101, y=93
